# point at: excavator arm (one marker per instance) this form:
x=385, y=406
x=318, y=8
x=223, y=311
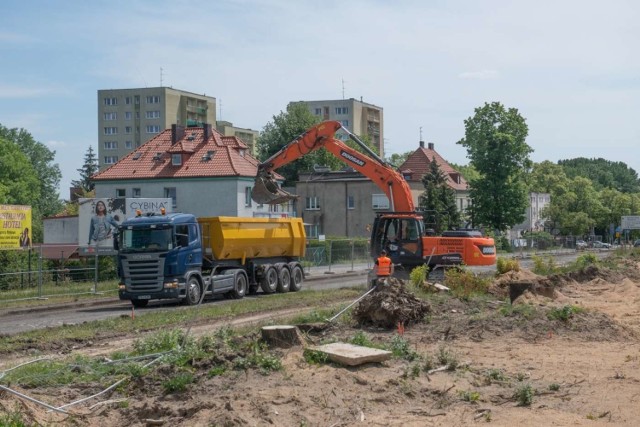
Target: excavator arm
x=267, y=191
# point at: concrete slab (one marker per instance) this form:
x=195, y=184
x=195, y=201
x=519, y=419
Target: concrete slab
x=352, y=355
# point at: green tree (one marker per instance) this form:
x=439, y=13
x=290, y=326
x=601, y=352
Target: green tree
x=603, y=173
x=88, y=169
x=438, y=200
x=41, y=159
x=397, y=159
x=495, y=142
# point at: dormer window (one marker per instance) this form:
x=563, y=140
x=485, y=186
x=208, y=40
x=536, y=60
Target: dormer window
x=176, y=159
x=242, y=151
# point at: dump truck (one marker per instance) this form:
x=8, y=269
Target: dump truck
x=178, y=256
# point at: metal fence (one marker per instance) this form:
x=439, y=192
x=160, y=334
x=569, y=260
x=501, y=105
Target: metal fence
x=35, y=277
x=343, y=254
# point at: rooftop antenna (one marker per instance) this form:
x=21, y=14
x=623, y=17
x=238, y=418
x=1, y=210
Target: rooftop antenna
x=220, y=109
x=420, y=133
x=343, y=88
x=160, y=76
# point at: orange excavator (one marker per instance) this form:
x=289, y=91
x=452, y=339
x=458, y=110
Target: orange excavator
x=401, y=232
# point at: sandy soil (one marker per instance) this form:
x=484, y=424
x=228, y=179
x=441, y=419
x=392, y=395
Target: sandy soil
x=581, y=371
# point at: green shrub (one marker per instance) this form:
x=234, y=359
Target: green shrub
x=315, y=357
x=178, y=383
x=586, y=260
x=401, y=348
x=362, y=339
x=469, y=396
x=418, y=274
x=564, y=313
x=524, y=395
x=464, y=284
x=504, y=265
x=544, y=265
x=447, y=358
x=528, y=311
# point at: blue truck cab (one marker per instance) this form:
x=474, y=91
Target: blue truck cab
x=160, y=257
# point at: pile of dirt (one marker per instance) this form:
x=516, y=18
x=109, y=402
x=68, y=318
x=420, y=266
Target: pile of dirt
x=390, y=304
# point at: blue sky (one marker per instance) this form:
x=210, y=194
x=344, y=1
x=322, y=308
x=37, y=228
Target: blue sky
x=571, y=68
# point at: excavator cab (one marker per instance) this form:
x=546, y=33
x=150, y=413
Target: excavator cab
x=400, y=235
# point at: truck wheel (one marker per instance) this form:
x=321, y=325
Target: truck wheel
x=240, y=287
x=297, y=277
x=193, y=291
x=269, y=282
x=139, y=303
x=284, y=279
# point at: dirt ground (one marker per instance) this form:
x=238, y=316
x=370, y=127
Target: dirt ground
x=582, y=370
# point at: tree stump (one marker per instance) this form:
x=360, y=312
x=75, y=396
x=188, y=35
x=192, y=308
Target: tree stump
x=282, y=336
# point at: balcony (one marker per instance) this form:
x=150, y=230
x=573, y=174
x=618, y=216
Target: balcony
x=196, y=123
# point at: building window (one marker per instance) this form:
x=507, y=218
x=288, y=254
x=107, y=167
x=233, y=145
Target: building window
x=153, y=129
x=128, y=129
x=111, y=145
x=247, y=196
x=312, y=230
x=312, y=204
x=153, y=99
x=152, y=114
x=318, y=111
x=345, y=123
x=127, y=100
x=111, y=131
x=176, y=159
x=137, y=115
x=110, y=160
x=136, y=193
x=111, y=101
x=170, y=192
x=111, y=116
x=128, y=115
x=379, y=201
x=342, y=110
x=351, y=202
x=128, y=145
x=121, y=192
x=136, y=99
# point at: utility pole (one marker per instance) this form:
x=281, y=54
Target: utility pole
x=160, y=76
x=342, y=88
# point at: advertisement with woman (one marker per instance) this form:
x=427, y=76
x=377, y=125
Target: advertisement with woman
x=98, y=222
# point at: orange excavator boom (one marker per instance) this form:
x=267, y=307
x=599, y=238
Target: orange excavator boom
x=322, y=135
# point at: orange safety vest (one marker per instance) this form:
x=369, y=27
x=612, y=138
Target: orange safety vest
x=384, y=266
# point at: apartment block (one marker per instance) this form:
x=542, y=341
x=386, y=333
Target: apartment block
x=361, y=118
x=127, y=118
x=248, y=136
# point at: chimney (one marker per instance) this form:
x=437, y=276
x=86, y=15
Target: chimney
x=431, y=145
x=177, y=133
x=207, y=130
x=421, y=144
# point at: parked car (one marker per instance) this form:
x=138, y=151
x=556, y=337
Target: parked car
x=581, y=245
x=636, y=244
x=600, y=245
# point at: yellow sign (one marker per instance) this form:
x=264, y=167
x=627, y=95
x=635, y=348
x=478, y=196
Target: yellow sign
x=15, y=227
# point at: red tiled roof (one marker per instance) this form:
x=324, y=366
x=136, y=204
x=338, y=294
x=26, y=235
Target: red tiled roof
x=229, y=157
x=417, y=164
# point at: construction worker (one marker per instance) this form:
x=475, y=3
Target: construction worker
x=383, y=267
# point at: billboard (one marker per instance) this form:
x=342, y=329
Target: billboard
x=15, y=227
x=630, y=222
x=98, y=219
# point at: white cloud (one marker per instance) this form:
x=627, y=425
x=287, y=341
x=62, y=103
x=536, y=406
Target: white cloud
x=479, y=75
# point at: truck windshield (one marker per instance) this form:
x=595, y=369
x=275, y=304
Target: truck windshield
x=146, y=240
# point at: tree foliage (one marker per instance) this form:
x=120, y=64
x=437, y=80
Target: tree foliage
x=603, y=173
x=397, y=159
x=438, y=200
x=88, y=169
x=467, y=171
x=41, y=160
x=495, y=142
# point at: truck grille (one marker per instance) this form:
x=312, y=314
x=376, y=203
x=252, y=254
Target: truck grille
x=143, y=274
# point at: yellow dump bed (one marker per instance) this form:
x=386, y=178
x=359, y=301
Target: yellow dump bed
x=227, y=237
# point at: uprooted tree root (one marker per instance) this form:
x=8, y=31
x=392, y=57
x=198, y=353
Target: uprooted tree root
x=389, y=305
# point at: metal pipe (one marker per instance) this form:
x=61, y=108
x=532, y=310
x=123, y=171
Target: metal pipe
x=349, y=306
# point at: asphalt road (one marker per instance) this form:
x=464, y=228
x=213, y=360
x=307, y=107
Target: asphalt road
x=23, y=320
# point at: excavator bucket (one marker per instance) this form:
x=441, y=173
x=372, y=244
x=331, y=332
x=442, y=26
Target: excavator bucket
x=267, y=192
